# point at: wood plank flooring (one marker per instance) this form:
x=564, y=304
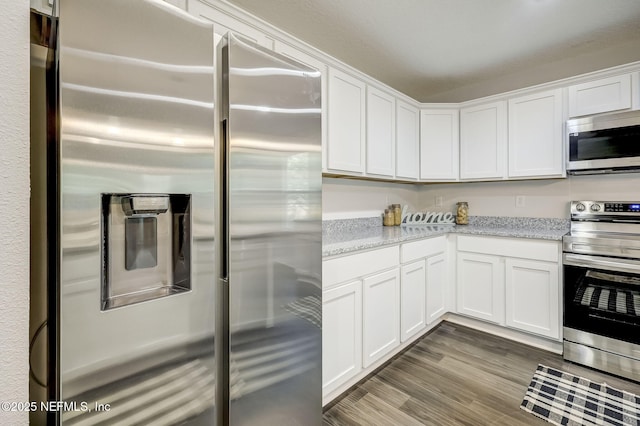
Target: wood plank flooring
x=454, y=376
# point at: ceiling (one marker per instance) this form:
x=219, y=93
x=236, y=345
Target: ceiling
x=457, y=50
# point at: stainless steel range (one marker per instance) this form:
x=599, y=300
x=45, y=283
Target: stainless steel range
x=602, y=287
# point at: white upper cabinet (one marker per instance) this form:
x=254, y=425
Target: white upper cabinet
x=298, y=55
x=536, y=135
x=598, y=96
x=381, y=108
x=407, y=141
x=224, y=23
x=346, y=143
x=439, y=140
x=483, y=141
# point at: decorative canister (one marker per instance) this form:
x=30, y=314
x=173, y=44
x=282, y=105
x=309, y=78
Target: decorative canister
x=388, y=218
x=397, y=214
x=462, y=213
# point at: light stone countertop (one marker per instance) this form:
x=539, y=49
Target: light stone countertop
x=352, y=235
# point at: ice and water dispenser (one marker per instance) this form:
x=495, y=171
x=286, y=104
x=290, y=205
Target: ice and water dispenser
x=146, y=247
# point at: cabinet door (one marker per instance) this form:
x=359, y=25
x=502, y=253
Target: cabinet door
x=381, y=118
x=483, y=141
x=292, y=52
x=341, y=335
x=224, y=23
x=346, y=144
x=532, y=291
x=603, y=95
x=536, y=135
x=412, y=299
x=480, y=286
x=407, y=141
x=437, y=287
x=439, y=140
x=381, y=316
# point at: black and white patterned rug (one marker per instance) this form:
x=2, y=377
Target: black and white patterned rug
x=564, y=399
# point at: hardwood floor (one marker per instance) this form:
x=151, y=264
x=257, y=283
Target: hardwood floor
x=454, y=376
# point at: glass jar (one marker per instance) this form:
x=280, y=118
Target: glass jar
x=397, y=214
x=462, y=213
x=388, y=218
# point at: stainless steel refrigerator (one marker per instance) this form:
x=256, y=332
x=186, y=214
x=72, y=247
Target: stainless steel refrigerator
x=176, y=222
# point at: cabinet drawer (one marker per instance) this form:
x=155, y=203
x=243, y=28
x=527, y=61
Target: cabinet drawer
x=524, y=248
x=423, y=248
x=341, y=269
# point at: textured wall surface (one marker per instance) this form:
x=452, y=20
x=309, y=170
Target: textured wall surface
x=542, y=198
x=14, y=207
x=344, y=198
x=349, y=198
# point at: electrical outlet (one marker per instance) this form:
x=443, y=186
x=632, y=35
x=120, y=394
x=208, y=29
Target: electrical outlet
x=438, y=201
x=520, y=201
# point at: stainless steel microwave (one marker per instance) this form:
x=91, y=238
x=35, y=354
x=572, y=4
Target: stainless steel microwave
x=607, y=143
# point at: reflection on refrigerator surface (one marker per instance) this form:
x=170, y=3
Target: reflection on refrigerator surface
x=274, y=204
x=134, y=182
x=137, y=212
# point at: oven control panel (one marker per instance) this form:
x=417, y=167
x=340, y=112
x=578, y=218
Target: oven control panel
x=584, y=208
x=622, y=207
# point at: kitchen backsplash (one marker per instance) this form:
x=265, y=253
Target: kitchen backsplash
x=544, y=198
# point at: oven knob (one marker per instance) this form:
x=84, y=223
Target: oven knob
x=580, y=207
x=595, y=207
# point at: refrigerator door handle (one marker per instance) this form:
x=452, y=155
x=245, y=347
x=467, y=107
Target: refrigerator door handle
x=224, y=204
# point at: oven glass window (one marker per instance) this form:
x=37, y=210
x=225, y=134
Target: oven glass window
x=607, y=294
x=602, y=302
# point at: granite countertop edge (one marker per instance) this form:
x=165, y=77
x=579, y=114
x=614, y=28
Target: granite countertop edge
x=354, y=240
x=345, y=247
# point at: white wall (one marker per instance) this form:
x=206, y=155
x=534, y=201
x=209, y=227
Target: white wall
x=14, y=207
x=543, y=198
x=348, y=198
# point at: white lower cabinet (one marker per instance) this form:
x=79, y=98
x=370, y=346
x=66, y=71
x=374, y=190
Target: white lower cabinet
x=437, y=287
x=513, y=282
x=376, y=302
x=480, y=289
x=532, y=293
x=341, y=334
x=412, y=299
x=380, y=315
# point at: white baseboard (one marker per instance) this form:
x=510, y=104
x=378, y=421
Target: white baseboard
x=498, y=330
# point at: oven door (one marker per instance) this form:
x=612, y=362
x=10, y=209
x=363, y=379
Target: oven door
x=602, y=296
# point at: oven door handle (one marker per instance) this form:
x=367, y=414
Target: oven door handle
x=599, y=262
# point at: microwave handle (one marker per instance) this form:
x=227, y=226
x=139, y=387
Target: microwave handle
x=604, y=263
